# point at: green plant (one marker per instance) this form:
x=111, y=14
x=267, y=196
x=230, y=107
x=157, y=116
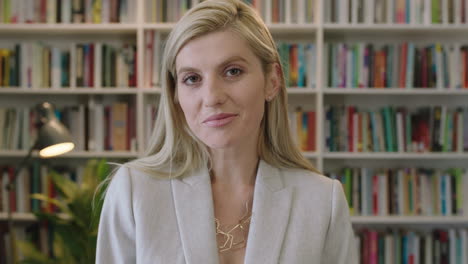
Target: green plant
x=75, y=226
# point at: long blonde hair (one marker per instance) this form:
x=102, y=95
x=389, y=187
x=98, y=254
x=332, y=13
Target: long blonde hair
x=173, y=149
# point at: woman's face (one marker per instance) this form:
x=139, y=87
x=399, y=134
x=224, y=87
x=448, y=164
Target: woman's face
x=222, y=89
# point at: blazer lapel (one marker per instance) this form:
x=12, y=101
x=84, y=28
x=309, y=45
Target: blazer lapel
x=270, y=216
x=193, y=203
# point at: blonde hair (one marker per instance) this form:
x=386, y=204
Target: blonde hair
x=173, y=149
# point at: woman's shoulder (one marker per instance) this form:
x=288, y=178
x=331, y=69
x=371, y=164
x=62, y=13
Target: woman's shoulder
x=138, y=179
x=306, y=179
x=310, y=186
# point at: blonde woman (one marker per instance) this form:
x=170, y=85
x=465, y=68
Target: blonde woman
x=223, y=181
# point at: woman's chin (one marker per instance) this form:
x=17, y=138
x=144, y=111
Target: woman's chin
x=220, y=144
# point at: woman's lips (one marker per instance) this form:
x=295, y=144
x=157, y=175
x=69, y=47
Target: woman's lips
x=219, y=120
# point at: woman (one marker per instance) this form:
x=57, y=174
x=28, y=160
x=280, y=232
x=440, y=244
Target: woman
x=223, y=181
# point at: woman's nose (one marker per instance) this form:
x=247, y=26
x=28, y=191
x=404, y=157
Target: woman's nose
x=215, y=93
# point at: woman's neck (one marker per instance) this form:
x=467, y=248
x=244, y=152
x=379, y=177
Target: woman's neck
x=234, y=169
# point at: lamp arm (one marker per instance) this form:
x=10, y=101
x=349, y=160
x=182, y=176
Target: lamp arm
x=22, y=164
x=9, y=188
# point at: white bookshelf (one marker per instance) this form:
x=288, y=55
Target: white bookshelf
x=300, y=90
x=76, y=154
x=68, y=29
x=319, y=33
x=394, y=91
x=68, y=91
x=395, y=156
x=409, y=220
x=21, y=217
x=393, y=28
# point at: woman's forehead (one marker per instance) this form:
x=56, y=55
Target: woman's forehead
x=214, y=49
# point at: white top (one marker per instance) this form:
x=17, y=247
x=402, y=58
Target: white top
x=297, y=217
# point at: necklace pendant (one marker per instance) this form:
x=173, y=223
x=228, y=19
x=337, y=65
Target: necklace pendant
x=233, y=239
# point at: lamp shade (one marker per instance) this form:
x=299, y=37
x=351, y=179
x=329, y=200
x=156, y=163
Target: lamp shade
x=53, y=138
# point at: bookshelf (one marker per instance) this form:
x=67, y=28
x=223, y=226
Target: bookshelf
x=318, y=30
x=408, y=220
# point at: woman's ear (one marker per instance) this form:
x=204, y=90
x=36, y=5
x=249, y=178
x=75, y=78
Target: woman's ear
x=273, y=82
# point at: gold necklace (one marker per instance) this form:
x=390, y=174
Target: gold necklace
x=227, y=240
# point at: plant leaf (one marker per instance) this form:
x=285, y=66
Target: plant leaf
x=74, y=239
x=102, y=170
x=30, y=253
x=89, y=175
x=51, y=217
x=39, y=196
x=61, y=251
x=64, y=186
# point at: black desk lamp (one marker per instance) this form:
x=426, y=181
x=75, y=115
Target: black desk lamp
x=53, y=139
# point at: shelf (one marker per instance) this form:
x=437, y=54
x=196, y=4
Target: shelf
x=74, y=154
x=301, y=90
x=151, y=90
x=407, y=220
x=279, y=28
x=161, y=27
x=395, y=155
x=310, y=154
x=22, y=217
x=293, y=28
x=70, y=91
x=64, y=29
x=101, y=154
x=274, y=28
x=394, y=91
x=393, y=28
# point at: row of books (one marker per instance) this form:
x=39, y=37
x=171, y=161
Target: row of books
x=404, y=191
x=94, y=127
x=274, y=11
x=396, y=129
x=34, y=179
x=435, y=246
x=286, y=11
x=302, y=125
x=152, y=58
x=298, y=62
x=67, y=11
x=158, y=11
x=404, y=65
x=39, y=65
x=423, y=12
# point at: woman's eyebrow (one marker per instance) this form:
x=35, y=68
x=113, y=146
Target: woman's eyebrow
x=232, y=59
x=221, y=64
x=187, y=69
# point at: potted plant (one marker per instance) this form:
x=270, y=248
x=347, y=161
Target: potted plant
x=75, y=226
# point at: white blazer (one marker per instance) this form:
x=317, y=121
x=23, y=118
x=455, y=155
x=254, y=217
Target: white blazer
x=297, y=217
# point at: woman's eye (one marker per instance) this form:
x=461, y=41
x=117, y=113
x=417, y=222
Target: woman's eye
x=233, y=72
x=191, y=79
